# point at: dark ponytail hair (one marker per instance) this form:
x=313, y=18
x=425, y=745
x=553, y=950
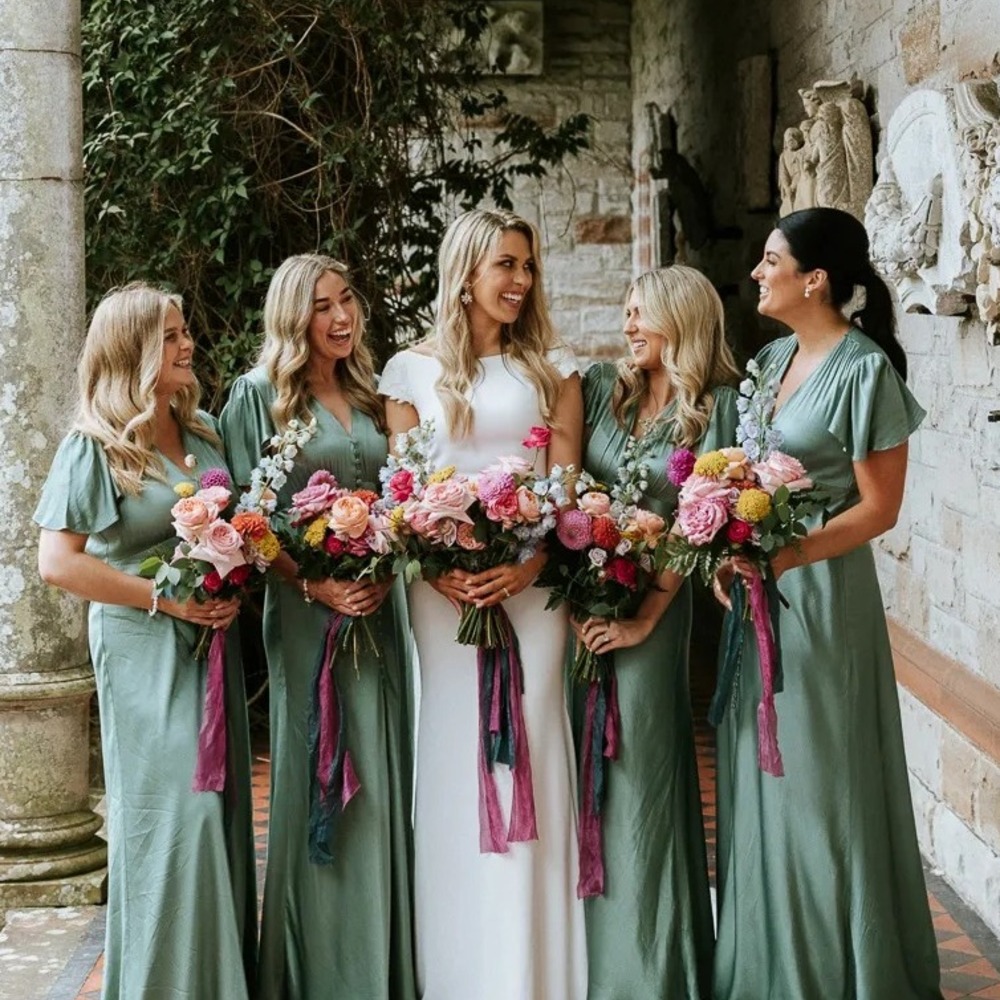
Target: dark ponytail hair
x=836, y=242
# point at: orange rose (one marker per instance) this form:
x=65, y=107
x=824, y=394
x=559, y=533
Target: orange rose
x=349, y=516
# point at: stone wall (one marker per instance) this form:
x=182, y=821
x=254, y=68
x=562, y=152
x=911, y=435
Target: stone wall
x=940, y=565
x=584, y=210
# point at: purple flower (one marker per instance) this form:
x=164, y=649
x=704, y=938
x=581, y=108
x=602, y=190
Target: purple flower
x=216, y=477
x=573, y=530
x=492, y=487
x=322, y=477
x=680, y=466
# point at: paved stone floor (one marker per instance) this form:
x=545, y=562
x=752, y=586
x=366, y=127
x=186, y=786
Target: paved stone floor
x=56, y=954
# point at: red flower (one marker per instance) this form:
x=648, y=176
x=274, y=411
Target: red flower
x=606, y=534
x=622, y=571
x=738, y=531
x=538, y=437
x=401, y=485
x=239, y=575
x=334, y=546
x=212, y=582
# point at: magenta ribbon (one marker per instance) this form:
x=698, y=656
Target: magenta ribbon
x=768, y=754
x=210, y=768
x=503, y=738
x=333, y=781
x=601, y=734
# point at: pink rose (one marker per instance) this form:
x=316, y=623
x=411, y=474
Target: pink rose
x=466, y=538
x=378, y=535
x=538, y=437
x=738, y=531
x=504, y=508
x=700, y=520
x=452, y=498
x=651, y=525
x=322, y=477
x=491, y=486
x=314, y=499
x=595, y=504
x=357, y=547
x=215, y=497
x=528, y=506
x=191, y=517
x=419, y=520
x=349, y=516
x=401, y=485
x=779, y=469
x=222, y=546
x=446, y=531
x=704, y=488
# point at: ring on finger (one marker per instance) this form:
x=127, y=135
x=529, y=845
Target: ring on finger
x=506, y=592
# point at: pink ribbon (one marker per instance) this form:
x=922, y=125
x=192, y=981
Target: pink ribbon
x=768, y=754
x=210, y=768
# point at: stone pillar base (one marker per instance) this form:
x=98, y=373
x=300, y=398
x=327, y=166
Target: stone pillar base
x=77, y=890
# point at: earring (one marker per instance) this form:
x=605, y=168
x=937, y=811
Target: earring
x=466, y=297
x=808, y=292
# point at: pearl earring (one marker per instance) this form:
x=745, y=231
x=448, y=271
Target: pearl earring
x=466, y=297
x=807, y=293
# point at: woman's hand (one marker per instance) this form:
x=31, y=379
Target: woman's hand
x=454, y=585
x=603, y=635
x=725, y=575
x=219, y=614
x=495, y=585
x=349, y=597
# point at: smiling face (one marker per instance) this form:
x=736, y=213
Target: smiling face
x=501, y=283
x=646, y=343
x=178, y=348
x=782, y=285
x=334, y=320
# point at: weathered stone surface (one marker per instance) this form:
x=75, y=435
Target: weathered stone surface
x=920, y=43
x=603, y=229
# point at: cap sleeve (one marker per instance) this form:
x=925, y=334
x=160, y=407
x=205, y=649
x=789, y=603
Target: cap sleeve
x=394, y=381
x=246, y=425
x=598, y=384
x=723, y=420
x=79, y=494
x=564, y=360
x=875, y=411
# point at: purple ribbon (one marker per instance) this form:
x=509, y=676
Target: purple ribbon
x=768, y=754
x=210, y=767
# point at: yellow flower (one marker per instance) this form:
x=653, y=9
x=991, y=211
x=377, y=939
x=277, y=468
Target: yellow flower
x=753, y=506
x=441, y=475
x=184, y=489
x=397, y=518
x=712, y=463
x=269, y=547
x=315, y=533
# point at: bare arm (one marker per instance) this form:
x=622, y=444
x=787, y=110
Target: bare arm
x=567, y=432
x=63, y=563
x=400, y=417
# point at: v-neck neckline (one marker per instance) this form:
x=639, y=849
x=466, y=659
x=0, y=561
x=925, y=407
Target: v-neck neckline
x=659, y=422
x=349, y=431
x=778, y=410
x=182, y=469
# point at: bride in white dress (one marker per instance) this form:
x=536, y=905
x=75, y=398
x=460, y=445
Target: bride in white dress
x=504, y=926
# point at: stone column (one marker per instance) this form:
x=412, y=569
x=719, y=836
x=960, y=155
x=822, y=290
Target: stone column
x=49, y=851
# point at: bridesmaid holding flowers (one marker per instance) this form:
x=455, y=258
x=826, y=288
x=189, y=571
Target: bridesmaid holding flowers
x=650, y=934
x=339, y=925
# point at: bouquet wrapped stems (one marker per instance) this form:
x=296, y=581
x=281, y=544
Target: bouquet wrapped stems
x=484, y=627
x=210, y=765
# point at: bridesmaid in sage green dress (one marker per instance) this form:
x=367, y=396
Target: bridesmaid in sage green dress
x=821, y=890
x=181, y=917
x=344, y=928
x=650, y=934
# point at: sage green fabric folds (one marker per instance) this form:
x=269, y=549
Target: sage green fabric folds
x=821, y=891
x=650, y=935
x=344, y=929
x=181, y=918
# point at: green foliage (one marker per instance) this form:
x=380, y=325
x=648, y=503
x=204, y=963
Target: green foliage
x=221, y=137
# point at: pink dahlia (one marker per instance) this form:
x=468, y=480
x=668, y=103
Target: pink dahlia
x=680, y=465
x=573, y=530
x=215, y=477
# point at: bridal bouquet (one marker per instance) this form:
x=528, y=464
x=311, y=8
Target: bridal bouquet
x=747, y=502
x=607, y=552
x=445, y=521
x=221, y=551
x=334, y=532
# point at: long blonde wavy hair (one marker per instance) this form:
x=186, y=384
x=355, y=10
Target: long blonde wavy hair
x=288, y=310
x=119, y=370
x=681, y=304
x=469, y=241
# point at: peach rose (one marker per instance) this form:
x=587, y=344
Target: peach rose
x=348, y=516
x=191, y=517
x=528, y=506
x=779, y=469
x=216, y=497
x=651, y=525
x=452, y=498
x=222, y=546
x=595, y=504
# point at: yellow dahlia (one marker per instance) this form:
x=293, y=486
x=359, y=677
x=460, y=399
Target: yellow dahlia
x=397, y=518
x=753, y=506
x=441, y=475
x=315, y=533
x=184, y=489
x=269, y=547
x=712, y=463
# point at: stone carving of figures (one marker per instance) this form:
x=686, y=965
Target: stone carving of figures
x=856, y=135
x=791, y=171
x=830, y=159
x=904, y=238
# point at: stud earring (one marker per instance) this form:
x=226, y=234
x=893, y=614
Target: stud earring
x=808, y=292
x=466, y=297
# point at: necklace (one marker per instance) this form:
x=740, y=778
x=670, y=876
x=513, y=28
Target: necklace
x=646, y=424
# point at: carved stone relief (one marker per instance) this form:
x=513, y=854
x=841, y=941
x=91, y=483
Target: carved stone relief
x=827, y=161
x=917, y=218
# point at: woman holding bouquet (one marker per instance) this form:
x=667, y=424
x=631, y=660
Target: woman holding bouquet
x=491, y=925
x=821, y=891
x=181, y=906
x=650, y=933
x=342, y=927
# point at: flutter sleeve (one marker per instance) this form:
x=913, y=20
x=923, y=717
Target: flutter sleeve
x=598, y=384
x=79, y=494
x=246, y=427
x=723, y=421
x=395, y=382
x=875, y=411
x=564, y=360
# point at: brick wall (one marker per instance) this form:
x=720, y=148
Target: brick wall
x=940, y=566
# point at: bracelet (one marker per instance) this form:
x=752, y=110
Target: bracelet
x=305, y=591
x=154, y=604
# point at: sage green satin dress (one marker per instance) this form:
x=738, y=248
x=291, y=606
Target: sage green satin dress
x=821, y=890
x=344, y=929
x=650, y=935
x=182, y=911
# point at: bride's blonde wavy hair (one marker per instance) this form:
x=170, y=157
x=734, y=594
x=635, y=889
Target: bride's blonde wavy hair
x=119, y=370
x=288, y=309
x=469, y=241
x=681, y=304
